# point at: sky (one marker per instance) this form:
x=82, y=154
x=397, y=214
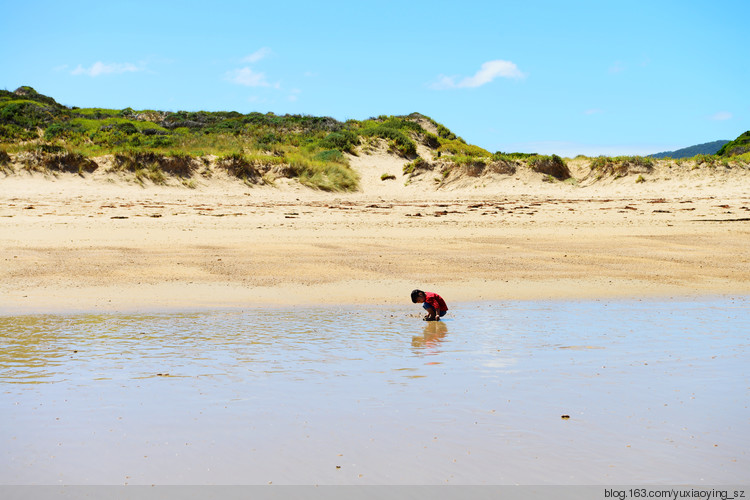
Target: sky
x=588, y=77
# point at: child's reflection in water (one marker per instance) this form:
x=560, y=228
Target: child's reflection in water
x=433, y=335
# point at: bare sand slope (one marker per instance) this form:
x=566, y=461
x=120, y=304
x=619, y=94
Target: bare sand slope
x=104, y=243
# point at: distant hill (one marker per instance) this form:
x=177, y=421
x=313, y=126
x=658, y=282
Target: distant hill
x=738, y=146
x=709, y=148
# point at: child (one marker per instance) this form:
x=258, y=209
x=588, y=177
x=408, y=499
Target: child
x=433, y=303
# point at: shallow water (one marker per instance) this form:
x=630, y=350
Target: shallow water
x=656, y=392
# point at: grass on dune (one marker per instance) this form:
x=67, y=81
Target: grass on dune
x=314, y=150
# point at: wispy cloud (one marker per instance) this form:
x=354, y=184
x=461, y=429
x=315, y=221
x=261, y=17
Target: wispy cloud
x=247, y=77
x=256, y=56
x=593, y=111
x=489, y=71
x=99, y=68
x=617, y=67
x=721, y=116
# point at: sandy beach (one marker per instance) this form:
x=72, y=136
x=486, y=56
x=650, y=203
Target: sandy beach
x=235, y=334
x=103, y=242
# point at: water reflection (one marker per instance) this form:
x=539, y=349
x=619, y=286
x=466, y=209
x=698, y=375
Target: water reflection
x=433, y=334
x=242, y=345
x=30, y=349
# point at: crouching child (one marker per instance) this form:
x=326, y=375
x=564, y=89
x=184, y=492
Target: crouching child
x=432, y=303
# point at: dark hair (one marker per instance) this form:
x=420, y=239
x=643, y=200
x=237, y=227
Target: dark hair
x=415, y=294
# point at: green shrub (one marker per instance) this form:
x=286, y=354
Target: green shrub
x=63, y=129
x=398, y=141
x=51, y=148
x=157, y=141
x=26, y=114
x=331, y=155
x=97, y=113
x=233, y=126
x=500, y=156
x=12, y=133
x=444, y=133
x=268, y=139
x=398, y=123
x=344, y=140
x=127, y=113
x=463, y=160
x=126, y=128
x=430, y=140
x=419, y=163
x=322, y=175
x=708, y=160
x=739, y=146
x=460, y=148
x=29, y=93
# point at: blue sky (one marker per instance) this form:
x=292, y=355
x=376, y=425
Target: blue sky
x=633, y=77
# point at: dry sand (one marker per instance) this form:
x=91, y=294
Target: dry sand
x=102, y=242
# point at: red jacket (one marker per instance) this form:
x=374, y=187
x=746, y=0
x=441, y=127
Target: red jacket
x=436, y=301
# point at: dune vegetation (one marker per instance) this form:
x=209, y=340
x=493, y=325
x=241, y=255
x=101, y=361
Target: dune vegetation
x=39, y=134
x=738, y=147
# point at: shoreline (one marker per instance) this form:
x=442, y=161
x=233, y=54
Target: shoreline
x=87, y=309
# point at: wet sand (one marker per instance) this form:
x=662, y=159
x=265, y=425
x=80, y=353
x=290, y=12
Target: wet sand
x=83, y=244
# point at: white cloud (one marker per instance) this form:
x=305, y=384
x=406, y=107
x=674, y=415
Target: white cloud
x=259, y=54
x=721, y=116
x=593, y=111
x=488, y=72
x=247, y=77
x=100, y=68
x=294, y=95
